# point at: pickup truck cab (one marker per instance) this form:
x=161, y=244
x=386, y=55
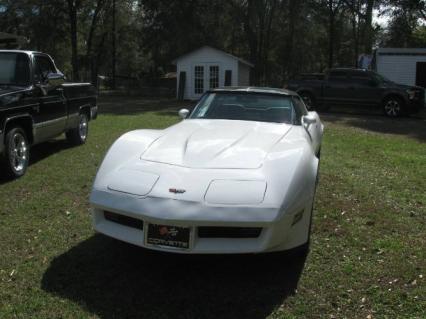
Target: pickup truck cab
x=358, y=87
x=36, y=105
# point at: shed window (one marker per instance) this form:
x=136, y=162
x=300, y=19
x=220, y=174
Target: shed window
x=199, y=79
x=228, y=77
x=214, y=76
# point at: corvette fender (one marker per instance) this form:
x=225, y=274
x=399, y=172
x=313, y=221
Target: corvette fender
x=126, y=148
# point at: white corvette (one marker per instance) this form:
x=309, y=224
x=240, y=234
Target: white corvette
x=237, y=175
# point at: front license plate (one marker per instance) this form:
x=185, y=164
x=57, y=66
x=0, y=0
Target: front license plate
x=170, y=236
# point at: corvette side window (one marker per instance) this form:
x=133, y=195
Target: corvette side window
x=299, y=108
x=204, y=105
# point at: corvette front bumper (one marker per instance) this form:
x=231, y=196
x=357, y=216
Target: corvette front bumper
x=278, y=231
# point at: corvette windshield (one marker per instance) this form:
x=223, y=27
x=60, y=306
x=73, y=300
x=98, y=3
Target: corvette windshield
x=15, y=69
x=246, y=107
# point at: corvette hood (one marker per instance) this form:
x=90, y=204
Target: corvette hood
x=216, y=143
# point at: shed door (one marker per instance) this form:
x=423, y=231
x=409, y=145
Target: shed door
x=421, y=74
x=206, y=77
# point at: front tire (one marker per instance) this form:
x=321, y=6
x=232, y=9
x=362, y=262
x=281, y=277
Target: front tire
x=78, y=135
x=17, y=153
x=393, y=106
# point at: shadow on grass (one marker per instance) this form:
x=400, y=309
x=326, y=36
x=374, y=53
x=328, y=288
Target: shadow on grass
x=361, y=117
x=115, y=280
x=122, y=105
x=41, y=151
x=410, y=126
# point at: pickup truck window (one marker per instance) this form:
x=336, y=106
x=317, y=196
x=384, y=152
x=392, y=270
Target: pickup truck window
x=43, y=66
x=15, y=69
x=360, y=77
x=380, y=78
x=337, y=75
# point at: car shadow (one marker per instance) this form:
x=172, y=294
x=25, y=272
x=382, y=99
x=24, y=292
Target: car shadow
x=410, y=126
x=41, y=151
x=122, y=105
x=116, y=280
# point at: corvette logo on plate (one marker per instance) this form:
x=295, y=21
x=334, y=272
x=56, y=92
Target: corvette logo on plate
x=177, y=191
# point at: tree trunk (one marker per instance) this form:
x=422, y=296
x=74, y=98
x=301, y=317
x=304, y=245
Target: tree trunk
x=96, y=58
x=90, y=56
x=355, y=34
x=252, y=38
x=368, y=40
x=288, y=57
x=271, y=13
x=72, y=12
x=113, y=45
x=331, y=16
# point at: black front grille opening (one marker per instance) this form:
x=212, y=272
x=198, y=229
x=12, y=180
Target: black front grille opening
x=228, y=232
x=123, y=220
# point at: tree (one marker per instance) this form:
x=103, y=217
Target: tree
x=333, y=6
x=73, y=8
x=406, y=27
x=281, y=37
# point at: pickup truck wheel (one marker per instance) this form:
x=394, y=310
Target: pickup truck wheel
x=17, y=153
x=393, y=106
x=78, y=135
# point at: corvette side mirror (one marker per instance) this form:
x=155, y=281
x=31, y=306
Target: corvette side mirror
x=309, y=119
x=183, y=113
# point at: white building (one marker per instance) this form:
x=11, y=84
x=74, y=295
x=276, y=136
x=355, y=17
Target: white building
x=402, y=65
x=208, y=68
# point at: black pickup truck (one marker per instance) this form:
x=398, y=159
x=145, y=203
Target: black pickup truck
x=36, y=104
x=358, y=87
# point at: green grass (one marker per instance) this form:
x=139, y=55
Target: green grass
x=367, y=255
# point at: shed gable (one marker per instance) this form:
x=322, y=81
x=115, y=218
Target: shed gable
x=207, y=68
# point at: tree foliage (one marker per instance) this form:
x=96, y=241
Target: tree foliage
x=281, y=37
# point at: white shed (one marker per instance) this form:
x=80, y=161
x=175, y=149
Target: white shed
x=402, y=65
x=208, y=68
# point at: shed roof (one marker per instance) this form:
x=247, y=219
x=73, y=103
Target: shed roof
x=401, y=51
x=223, y=52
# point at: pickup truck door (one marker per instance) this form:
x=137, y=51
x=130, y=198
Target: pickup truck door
x=51, y=116
x=366, y=90
x=337, y=88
